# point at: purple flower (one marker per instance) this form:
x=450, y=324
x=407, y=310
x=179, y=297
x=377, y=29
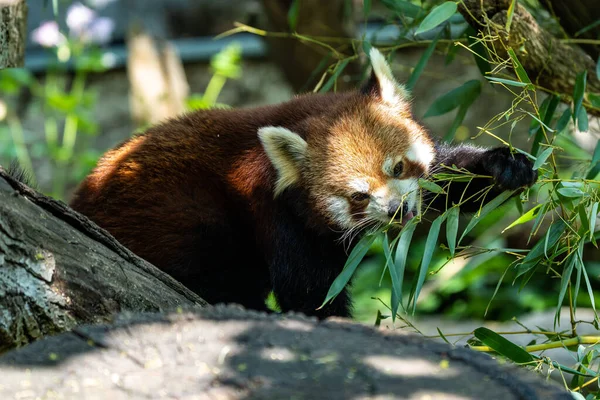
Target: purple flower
x=48, y=35
x=79, y=17
x=85, y=25
x=99, y=31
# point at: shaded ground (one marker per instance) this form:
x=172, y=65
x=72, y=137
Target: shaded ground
x=229, y=353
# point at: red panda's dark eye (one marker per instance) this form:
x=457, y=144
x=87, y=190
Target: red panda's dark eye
x=398, y=168
x=360, y=197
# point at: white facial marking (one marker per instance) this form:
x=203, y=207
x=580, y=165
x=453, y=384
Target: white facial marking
x=391, y=91
x=388, y=165
x=403, y=190
x=359, y=184
x=339, y=209
x=421, y=152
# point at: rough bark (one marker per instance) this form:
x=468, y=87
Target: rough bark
x=58, y=270
x=549, y=62
x=229, y=353
x=299, y=59
x=13, y=32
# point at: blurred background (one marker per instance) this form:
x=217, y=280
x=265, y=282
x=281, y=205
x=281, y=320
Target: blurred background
x=98, y=71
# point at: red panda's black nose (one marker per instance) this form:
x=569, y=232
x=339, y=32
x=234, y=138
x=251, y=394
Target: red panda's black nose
x=394, y=209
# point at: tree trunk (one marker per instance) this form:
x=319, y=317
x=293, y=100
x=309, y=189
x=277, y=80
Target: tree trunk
x=13, y=29
x=549, y=62
x=58, y=270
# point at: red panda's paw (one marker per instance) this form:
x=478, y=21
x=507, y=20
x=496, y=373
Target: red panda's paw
x=509, y=170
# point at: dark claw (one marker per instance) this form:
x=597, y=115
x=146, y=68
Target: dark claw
x=510, y=170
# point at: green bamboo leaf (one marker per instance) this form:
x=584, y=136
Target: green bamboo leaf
x=462, y=95
x=437, y=16
x=509, y=15
x=442, y=335
x=578, y=93
x=546, y=112
x=508, y=82
x=366, y=8
x=479, y=51
x=430, y=186
x=592, y=218
x=595, y=164
x=356, y=256
x=414, y=76
x=293, y=15
x=452, y=228
x=503, y=346
x=338, y=70
x=528, y=216
x=485, y=210
x=403, y=8
x=397, y=271
x=564, y=284
x=542, y=158
x=594, y=98
x=598, y=65
x=582, y=120
x=570, y=192
x=430, y=246
x=520, y=71
x=563, y=121
x=539, y=249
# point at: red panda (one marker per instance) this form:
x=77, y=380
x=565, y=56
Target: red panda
x=236, y=203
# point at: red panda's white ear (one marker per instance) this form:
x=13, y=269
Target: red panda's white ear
x=383, y=83
x=287, y=152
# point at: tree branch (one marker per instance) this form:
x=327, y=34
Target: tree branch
x=549, y=63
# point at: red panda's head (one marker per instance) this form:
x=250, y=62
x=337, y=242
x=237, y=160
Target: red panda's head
x=360, y=162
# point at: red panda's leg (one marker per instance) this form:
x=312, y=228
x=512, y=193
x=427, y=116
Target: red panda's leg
x=508, y=171
x=303, y=265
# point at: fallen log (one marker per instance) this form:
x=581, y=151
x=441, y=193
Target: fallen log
x=58, y=270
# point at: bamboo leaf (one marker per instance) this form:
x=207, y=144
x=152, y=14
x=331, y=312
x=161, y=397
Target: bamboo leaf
x=570, y=192
x=430, y=246
x=519, y=70
x=528, y=216
x=509, y=15
x=437, y=16
x=403, y=8
x=452, y=228
x=508, y=82
x=503, y=346
x=485, y=210
x=582, y=120
x=366, y=9
x=414, y=76
x=430, y=186
x=293, y=15
x=356, y=256
x=338, y=70
x=563, y=121
x=564, y=284
x=479, y=52
x=542, y=158
x=462, y=95
x=595, y=164
x=397, y=271
x=578, y=93
x=592, y=218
